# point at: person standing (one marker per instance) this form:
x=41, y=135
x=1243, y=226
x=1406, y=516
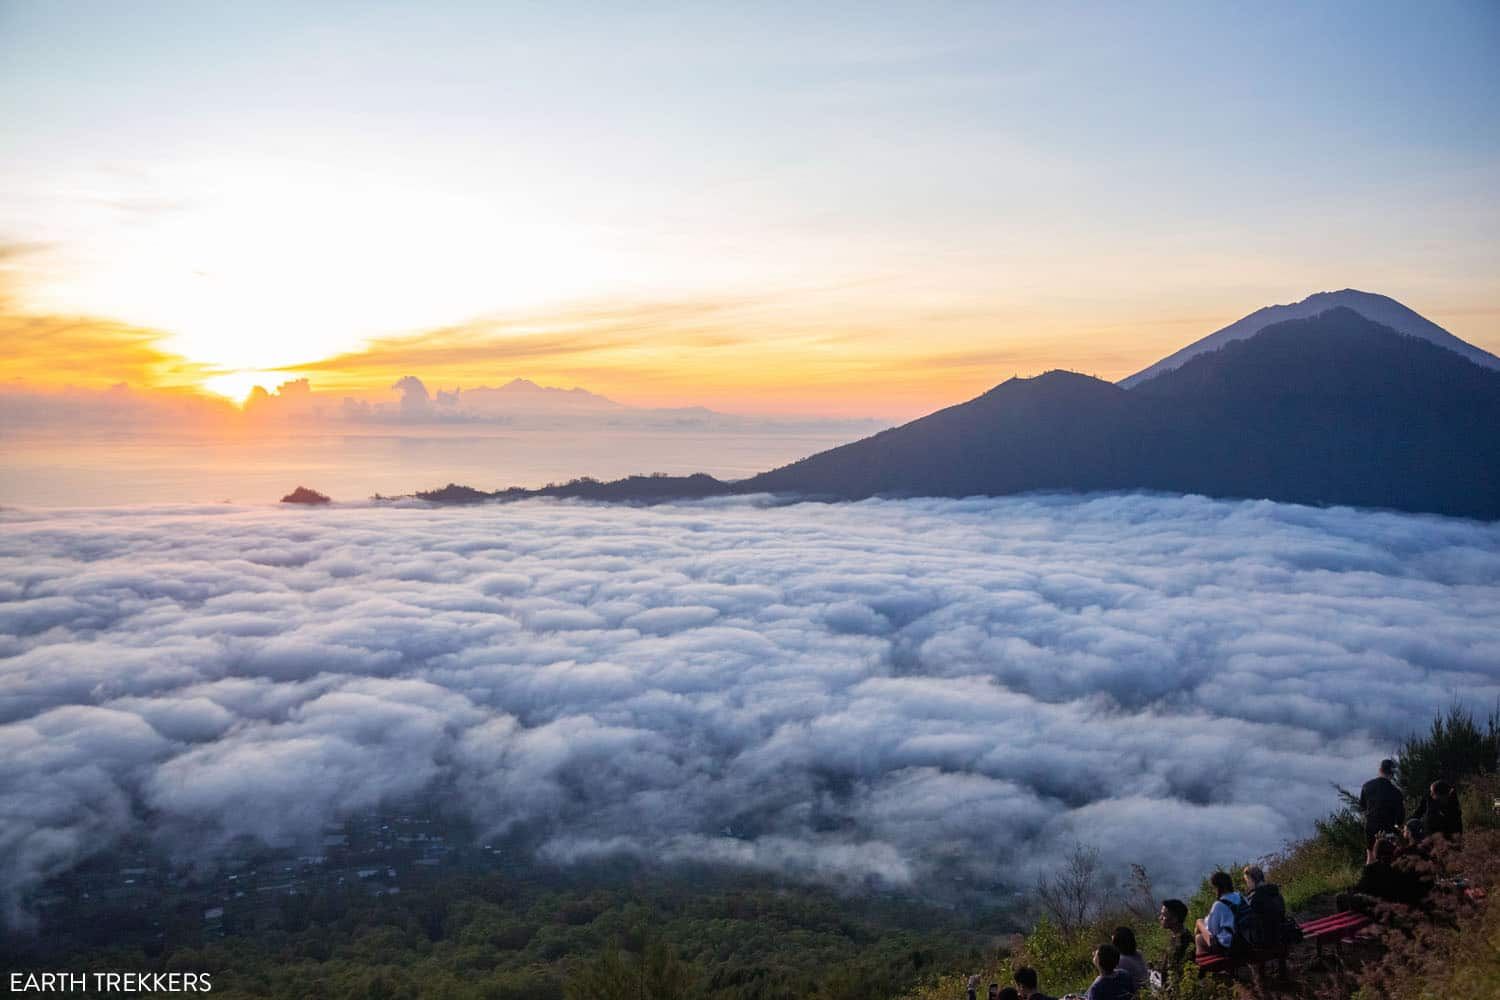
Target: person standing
x=1383, y=805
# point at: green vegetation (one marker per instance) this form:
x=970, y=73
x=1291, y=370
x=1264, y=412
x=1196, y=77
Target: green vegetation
x=1459, y=749
x=695, y=935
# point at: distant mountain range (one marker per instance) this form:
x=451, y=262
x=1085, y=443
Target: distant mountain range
x=1318, y=402
x=519, y=403
x=524, y=395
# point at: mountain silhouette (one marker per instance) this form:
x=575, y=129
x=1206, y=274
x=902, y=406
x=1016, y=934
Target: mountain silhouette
x=1380, y=308
x=1330, y=409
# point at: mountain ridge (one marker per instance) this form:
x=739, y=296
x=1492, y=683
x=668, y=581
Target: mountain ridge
x=1331, y=408
x=1381, y=309
x=1334, y=408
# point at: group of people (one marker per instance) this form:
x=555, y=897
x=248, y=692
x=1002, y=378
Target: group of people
x=1254, y=919
x=1396, y=845
x=1384, y=806
x=1122, y=971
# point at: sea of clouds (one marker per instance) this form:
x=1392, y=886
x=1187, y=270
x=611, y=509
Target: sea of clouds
x=896, y=692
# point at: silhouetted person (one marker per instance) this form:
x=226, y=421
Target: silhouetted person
x=1026, y=987
x=1440, y=811
x=1266, y=926
x=1131, y=962
x=1383, y=805
x=1009, y=993
x=1384, y=880
x=1264, y=923
x=1215, y=932
x=1412, y=834
x=1173, y=919
x=1113, y=983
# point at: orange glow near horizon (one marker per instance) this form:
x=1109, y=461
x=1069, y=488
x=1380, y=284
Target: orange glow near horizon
x=236, y=386
x=762, y=358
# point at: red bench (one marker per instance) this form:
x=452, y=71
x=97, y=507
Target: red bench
x=1225, y=965
x=1336, y=927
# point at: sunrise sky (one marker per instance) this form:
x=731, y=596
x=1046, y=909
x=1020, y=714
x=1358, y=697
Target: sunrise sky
x=863, y=210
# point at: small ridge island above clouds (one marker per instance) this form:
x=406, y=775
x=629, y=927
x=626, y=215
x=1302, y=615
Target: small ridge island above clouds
x=303, y=495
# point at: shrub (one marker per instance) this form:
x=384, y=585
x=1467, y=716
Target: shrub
x=1342, y=834
x=1456, y=748
x=1453, y=951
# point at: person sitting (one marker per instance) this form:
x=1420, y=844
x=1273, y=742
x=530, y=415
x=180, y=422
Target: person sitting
x=1173, y=919
x=1026, y=988
x=1131, y=961
x=1215, y=933
x=1412, y=834
x=1385, y=881
x=1113, y=982
x=1440, y=812
x=1266, y=926
x=1383, y=805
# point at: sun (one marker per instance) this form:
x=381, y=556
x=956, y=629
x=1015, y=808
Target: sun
x=236, y=385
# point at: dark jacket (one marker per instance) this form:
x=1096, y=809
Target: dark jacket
x=1116, y=986
x=1443, y=816
x=1179, y=947
x=1393, y=883
x=1266, y=926
x=1383, y=805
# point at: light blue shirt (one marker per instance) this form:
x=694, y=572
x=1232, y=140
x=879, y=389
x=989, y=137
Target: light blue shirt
x=1221, y=918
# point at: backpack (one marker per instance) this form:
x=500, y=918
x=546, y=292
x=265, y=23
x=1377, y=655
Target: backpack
x=1263, y=922
x=1240, y=945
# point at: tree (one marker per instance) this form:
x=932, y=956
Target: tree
x=608, y=977
x=1070, y=895
x=1457, y=748
x=655, y=973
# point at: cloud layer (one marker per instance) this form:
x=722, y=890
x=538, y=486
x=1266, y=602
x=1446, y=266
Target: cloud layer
x=887, y=691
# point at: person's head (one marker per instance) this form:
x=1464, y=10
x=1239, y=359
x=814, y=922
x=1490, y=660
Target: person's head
x=1123, y=939
x=1387, y=768
x=1385, y=850
x=1254, y=877
x=1222, y=883
x=1173, y=914
x=994, y=991
x=1106, y=958
x=1009, y=993
x=1415, y=831
x=1441, y=789
x=1025, y=977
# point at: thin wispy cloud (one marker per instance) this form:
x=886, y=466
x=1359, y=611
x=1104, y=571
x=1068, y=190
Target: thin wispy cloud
x=45, y=351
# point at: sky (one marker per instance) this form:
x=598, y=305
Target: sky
x=858, y=210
